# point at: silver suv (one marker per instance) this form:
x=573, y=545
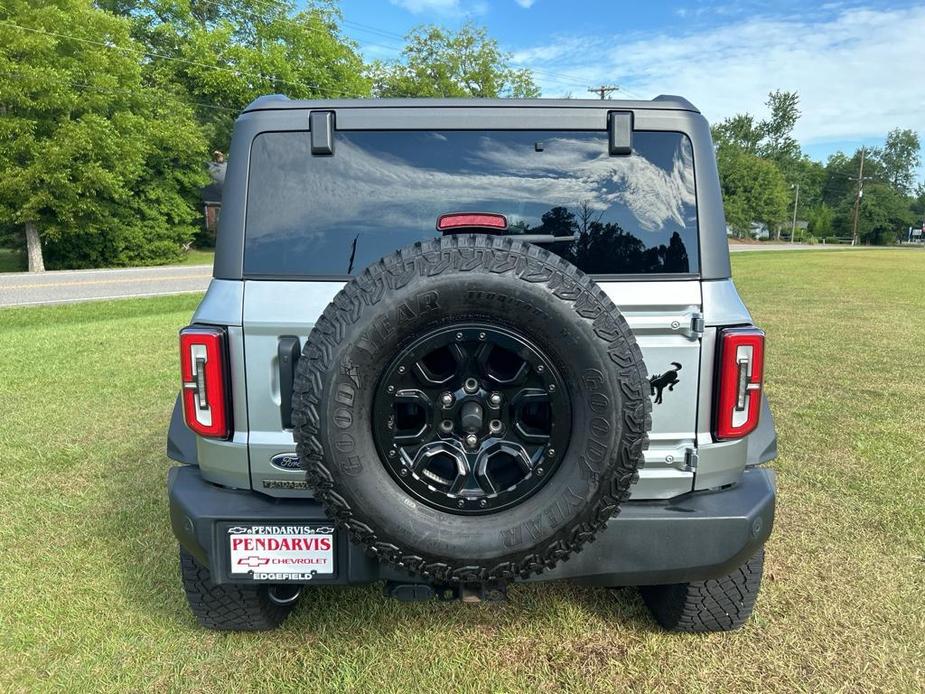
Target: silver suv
x=451, y=345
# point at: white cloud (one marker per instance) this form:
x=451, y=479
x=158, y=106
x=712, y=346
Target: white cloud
x=858, y=71
x=526, y=4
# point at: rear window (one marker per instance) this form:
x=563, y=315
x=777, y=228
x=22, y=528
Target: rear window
x=331, y=216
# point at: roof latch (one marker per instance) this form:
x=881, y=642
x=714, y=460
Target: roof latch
x=620, y=130
x=321, y=124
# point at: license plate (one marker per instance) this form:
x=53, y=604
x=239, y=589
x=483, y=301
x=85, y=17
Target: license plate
x=280, y=552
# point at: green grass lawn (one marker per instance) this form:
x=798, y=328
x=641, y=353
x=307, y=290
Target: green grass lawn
x=90, y=598
x=197, y=257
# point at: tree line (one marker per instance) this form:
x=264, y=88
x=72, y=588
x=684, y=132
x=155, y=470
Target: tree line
x=109, y=110
x=767, y=179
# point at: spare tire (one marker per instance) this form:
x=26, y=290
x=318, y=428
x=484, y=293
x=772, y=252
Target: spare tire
x=471, y=409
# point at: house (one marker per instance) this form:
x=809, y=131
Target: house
x=759, y=230
x=212, y=193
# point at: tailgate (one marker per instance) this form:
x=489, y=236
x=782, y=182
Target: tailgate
x=666, y=318
x=661, y=314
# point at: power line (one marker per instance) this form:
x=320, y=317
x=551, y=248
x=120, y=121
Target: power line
x=82, y=86
x=373, y=30
x=562, y=78
x=356, y=26
x=559, y=77
x=251, y=13
x=271, y=5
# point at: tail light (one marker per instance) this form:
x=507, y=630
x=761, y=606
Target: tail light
x=471, y=220
x=741, y=369
x=204, y=373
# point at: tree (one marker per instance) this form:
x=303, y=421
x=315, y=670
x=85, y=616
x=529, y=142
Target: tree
x=437, y=62
x=821, y=219
x=754, y=190
x=96, y=169
x=884, y=212
x=900, y=158
x=917, y=206
x=778, y=143
x=841, y=181
x=759, y=160
x=811, y=177
x=219, y=55
x=770, y=138
x=558, y=221
x=739, y=131
x=886, y=208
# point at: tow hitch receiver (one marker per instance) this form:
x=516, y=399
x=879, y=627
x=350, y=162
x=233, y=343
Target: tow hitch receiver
x=417, y=592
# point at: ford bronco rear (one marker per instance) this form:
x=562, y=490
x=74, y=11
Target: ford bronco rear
x=451, y=345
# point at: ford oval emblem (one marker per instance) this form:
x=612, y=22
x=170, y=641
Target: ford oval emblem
x=286, y=461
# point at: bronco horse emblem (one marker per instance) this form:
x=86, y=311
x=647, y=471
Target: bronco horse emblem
x=658, y=382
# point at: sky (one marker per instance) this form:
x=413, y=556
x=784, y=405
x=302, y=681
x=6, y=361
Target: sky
x=859, y=67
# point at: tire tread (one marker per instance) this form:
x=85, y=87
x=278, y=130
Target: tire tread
x=475, y=253
x=719, y=604
x=228, y=607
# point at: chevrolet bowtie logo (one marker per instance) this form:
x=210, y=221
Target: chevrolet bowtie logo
x=252, y=561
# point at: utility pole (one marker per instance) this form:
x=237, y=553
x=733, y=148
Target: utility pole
x=857, y=201
x=604, y=90
x=796, y=201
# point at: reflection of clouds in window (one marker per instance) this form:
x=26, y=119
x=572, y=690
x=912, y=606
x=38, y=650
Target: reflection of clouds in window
x=358, y=184
x=653, y=195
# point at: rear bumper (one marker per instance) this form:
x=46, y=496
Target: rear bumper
x=694, y=537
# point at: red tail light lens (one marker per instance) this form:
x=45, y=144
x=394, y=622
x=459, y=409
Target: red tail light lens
x=203, y=370
x=741, y=369
x=476, y=220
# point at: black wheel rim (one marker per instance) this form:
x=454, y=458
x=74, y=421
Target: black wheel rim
x=471, y=418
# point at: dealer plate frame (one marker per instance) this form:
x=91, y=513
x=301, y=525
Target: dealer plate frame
x=226, y=530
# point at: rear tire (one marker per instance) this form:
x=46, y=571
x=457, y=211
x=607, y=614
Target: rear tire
x=719, y=604
x=228, y=607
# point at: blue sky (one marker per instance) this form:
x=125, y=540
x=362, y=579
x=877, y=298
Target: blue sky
x=859, y=67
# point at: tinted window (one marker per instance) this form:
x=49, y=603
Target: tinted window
x=332, y=216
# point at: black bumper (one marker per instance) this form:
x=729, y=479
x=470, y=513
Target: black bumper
x=690, y=538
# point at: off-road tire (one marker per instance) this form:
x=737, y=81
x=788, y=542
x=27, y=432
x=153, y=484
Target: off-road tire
x=719, y=604
x=228, y=607
x=581, y=322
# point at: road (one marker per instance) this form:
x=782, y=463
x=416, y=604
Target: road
x=746, y=247
x=66, y=286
